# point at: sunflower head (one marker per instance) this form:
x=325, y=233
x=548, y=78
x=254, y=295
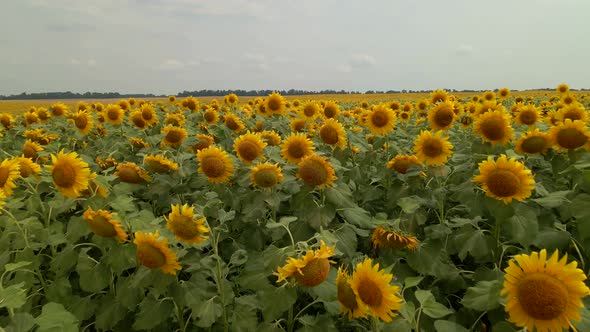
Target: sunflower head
x=298, y=125
x=349, y=305
x=27, y=167
x=494, y=127
x=31, y=149
x=295, y=147
x=160, y=164
x=505, y=179
x=70, y=173
x=275, y=103
x=527, y=115
x=211, y=116
x=401, y=163
x=333, y=133
x=138, y=143
x=442, y=116
x=59, y=109
x=131, y=173
x=543, y=294
x=438, y=96
x=154, y=253
x=114, y=114
x=381, y=120
x=569, y=135
x=233, y=122
x=174, y=136
x=386, y=239
x=271, y=138
x=216, y=164
x=310, y=270
x=185, y=225
x=504, y=93
x=266, y=175
x=83, y=122
x=562, y=89
x=9, y=172
x=316, y=171
x=573, y=112
x=533, y=142
x=103, y=223
x=433, y=149
x=331, y=110
x=249, y=147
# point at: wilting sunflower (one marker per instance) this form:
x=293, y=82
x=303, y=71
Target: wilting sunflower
x=295, y=147
x=441, y=116
x=533, y=142
x=331, y=110
x=27, y=167
x=374, y=291
x=249, y=147
x=266, y=175
x=401, y=163
x=386, y=239
x=70, y=173
x=316, y=171
x=185, y=226
x=438, y=96
x=433, y=149
x=569, y=135
x=271, y=138
x=381, y=120
x=174, y=136
x=113, y=114
x=83, y=122
x=138, y=143
x=160, y=164
x=216, y=164
x=59, y=109
x=563, y=89
x=131, y=173
x=527, y=115
x=211, y=116
x=504, y=93
x=31, y=149
x=275, y=103
x=9, y=172
x=573, y=112
x=349, y=303
x=544, y=294
x=154, y=253
x=311, y=269
x=233, y=122
x=332, y=132
x=494, y=127
x=505, y=179
x=103, y=223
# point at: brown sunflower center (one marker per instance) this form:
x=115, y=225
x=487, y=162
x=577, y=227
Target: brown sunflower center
x=213, y=167
x=274, y=104
x=571, y=138
x=402, y=165
x=542, y=296
x=159, y=166
x=309, y=111
x=534, y=144
x=493, y=128
x=444, y=116
x=266, y=178
x=113, y=115
x=346, y=295
x=150, y=256
x=173, y=136
x=379, y=119
x=503, y=183
x=405, y=115
x=4, y=173
x=102, y=227
x=298, y=125
x=370, y=293
x=129, y=175
x=330, y=112
x=64, y=175
x=209, y=116
x=432, y=147
x=572, y=114
x=147, y=114
x=568, y=100
x=248, y=150
x=314, y=272
x=231, y=123
x=43, y=115
x=313, y=172
x=184, y=227
x=138, y=121
x=296, y=150
x=329, y=134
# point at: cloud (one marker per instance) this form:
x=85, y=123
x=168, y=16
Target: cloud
x=256, y=8
x=464, y=49
x=171, y=64
x=357, y=61
x=256, y=61
x=80, y=62
x=75, y=62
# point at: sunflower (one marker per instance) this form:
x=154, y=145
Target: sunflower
x=494, y=127
x=266, y=175
x=438, y=96
x=216, y=164
x=331, y=110
x=171, y=99
x=233, y=122
x=249, y=147
x=441, y=116
x=489, y=96
x=386, y=239
x=83, y=122
x=401, y=163
x=569, y=135
x=275, y=103
x=7, y=120
x=332, y=132
x=43, y=114
x=381, y=120
x=533, y=142
x=505, y=179
x=422, y=105
x=31, y=149
x=374, y=292
x=298, y=125
x=176, y=119
x=137, y=120
x=102, y=223
x=124, y=104
x=310, y=110
x=59, y=109
x=174, y=136
x=543, y=294
x=154, y=253
x=295, y=147
x=70, y=173
x=131, y=173
x=434, y=149
x=31, y=118
x=211, y=116
x=395, y=105
x=191, y=103
x=504, y=93
x=185, y=226
x=573, y=112
x=113, y=114
x=148, y=114
x=94, y=188
x=138, y=143
x=348, y=300
x=563, y=89
x=9, y=172
x=316, y=171
x=310, y=270
x=271, y=138
x=527, y=115
x=27, y=167
x=203, y=141
x=568, y=99
x=160, y=164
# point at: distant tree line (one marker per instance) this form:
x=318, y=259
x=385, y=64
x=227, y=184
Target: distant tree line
x=73, y=95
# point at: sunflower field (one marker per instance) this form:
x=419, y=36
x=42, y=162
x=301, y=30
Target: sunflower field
x=440, y=212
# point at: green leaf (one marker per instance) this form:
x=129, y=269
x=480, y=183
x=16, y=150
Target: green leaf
x=122, y=203
x=14, y=296
x=448, y=326
x=409, y=204
x=473, y=241
x=275, y=301
x=207, y=312
x=151, y=313
x=429, y=305
x=483, y=296
x=55, y=318
x=346, y=240
x=554, y=199
x=357, y=216
x=13, y=266
x=93, y=277
x=238, y=258
x=523, y=227
x=110, y=312
x=244, y=317
x=22, y=322
x=410, y=282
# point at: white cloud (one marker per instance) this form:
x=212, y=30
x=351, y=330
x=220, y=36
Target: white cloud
x=464, y=49
x=91, y=62
x=75, y=62
x=358, y=61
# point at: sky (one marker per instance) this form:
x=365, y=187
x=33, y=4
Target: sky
x=168, y=46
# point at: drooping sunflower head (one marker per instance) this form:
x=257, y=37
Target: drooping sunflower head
x=9, y=172
x=174, y=136
x=332, y=133
x=505, y=179
x=569, y=135
x=249, y=147
x=381, y=120
x=533, y=142
x=211, y=116
x=310, y=270
x=266, y=175
x=233, y=122
x=316, y=171
x=27, y=167
x=441, y=116
x=104, y=224
x=504, y=93
x=186, y=226
x=83, y=122
x=295, y=147
x=387, y=239
x=70, y=173
x=275, y=103
x=494, y=127
x=160, y=164
x=59, y=109
x=138, y=143
x=271, y=138
x=131, y=173
x=154, y=253
x=349, y=305
x=438, y=96
x=373, y=289
x=401, y=163
x=543, y=294
x=7, y=120
x=31, y=149
x=432, y=149
x=216, y=164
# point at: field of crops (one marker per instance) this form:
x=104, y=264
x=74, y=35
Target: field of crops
x=439, y=212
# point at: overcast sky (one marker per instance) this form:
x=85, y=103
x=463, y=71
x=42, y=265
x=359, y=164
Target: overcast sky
x=167, y=46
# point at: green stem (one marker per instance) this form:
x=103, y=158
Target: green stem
x=374, y=324
x=290, y=321
x=219, y=279
x=16, y=223
x=180, y=316
x=418, y=319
